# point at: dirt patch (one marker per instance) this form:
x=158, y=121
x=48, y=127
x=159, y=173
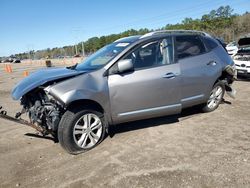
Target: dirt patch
x=188, y=150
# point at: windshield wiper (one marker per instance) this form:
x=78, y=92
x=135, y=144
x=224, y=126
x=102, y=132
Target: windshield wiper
x=73, y=67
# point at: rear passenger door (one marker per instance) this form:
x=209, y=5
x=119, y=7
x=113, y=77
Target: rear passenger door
x=199, y=69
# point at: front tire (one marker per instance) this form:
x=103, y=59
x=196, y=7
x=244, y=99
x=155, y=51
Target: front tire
x=215, y=97
x=81, y=130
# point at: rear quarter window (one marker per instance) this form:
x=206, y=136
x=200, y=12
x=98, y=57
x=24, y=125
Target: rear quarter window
x=190, y=45
x=210, y=43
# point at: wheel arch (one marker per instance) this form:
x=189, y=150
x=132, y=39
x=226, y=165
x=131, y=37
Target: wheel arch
x=226, y=78
x=88, y=103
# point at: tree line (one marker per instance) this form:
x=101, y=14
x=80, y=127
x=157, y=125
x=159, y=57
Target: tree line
x=222, y=23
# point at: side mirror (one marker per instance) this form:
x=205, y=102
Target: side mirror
x=125, y=65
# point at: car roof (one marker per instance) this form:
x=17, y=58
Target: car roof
x=129, y=39
x=175, y=32
x=156, y=34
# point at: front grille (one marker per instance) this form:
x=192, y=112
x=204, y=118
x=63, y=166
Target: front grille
x=242, y=66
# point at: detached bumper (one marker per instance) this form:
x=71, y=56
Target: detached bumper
x=228, y=81
x=3, y=115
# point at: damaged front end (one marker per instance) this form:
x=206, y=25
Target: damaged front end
x=229, y=74
x=43, y=111
x=16, y=119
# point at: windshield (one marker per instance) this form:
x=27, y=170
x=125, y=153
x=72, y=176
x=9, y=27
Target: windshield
x=102, y=56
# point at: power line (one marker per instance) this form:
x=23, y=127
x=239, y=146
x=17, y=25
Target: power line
x=195, y=14
x=162, y=16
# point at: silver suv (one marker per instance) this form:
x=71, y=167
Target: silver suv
x=133, y=78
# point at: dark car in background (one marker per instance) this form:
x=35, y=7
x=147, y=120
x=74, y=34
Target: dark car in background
x=16, y=61
x=10, y=60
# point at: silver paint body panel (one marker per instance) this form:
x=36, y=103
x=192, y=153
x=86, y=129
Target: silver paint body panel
x=138, y=94
x=142, y=90
x=41, y=77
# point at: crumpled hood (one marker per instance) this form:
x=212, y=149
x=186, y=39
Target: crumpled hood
x=41, y=77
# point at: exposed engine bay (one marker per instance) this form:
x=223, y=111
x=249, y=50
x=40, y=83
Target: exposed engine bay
x=42, y=110
x=242, y=57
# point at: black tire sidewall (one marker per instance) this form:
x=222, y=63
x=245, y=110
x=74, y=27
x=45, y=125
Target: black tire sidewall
x=66, y=126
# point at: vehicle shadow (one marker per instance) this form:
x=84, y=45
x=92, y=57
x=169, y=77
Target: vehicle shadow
x=37, y=135
x=143, y=124
x=165, y=120
x=225, y=102
x=243, y=79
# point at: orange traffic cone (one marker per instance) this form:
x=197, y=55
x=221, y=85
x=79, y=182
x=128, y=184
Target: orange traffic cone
x=25, y=73
x=6, y=68
x=10, y=69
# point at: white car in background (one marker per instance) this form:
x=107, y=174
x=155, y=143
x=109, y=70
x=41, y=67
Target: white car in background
x=232, y=48
x=242, y=57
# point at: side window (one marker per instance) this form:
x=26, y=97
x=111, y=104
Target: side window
x=152, y=54
x=189, y=46
x=210, y=43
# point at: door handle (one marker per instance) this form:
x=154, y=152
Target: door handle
x=169, y=75
x=212, y=63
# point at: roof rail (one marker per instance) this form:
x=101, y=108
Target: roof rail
x=173, y=32
x=127, y=38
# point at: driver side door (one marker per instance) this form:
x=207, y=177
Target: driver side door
x=152, y=89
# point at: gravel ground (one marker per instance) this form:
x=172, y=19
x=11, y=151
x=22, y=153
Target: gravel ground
x=192, y=149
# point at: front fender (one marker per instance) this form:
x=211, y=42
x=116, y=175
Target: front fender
x=75, y=95
x=90, y=86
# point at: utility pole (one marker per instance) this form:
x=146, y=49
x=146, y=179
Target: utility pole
x=76, y=49
x=30, y=48
x=73, y=51
x=75, y=33
x=233, y=35
x=83, y=51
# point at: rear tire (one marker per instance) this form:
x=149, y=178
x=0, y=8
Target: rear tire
x=215, y=98
x=81, y=129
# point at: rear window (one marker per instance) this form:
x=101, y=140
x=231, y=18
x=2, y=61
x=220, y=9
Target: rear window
x=210, y=43
x=188, y=46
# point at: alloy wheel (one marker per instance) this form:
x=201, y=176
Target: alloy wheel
x=87, y=131
x=215, y=97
